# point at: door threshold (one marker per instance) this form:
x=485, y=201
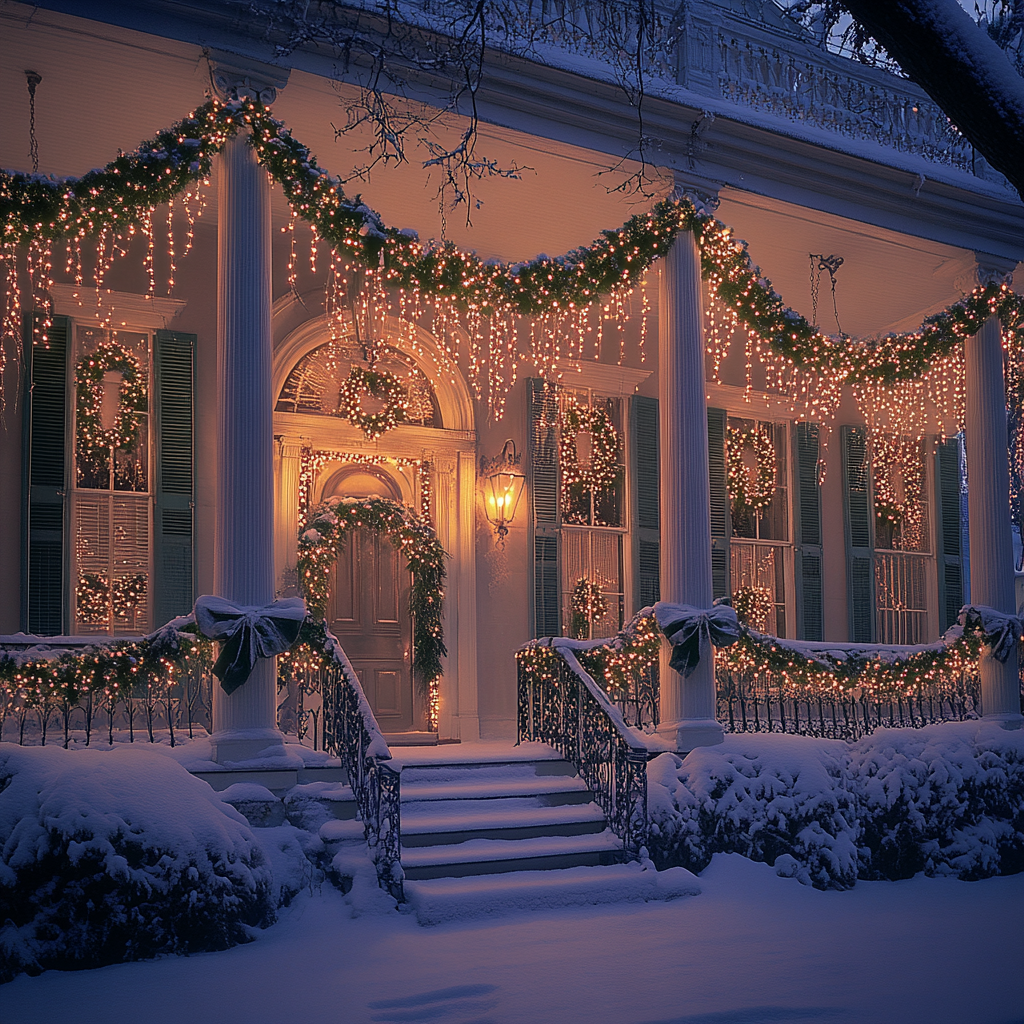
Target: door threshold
x=410, y=739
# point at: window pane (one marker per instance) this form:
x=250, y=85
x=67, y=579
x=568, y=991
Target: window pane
x=900, y=597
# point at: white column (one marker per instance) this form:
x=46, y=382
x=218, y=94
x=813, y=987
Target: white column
x=244, y=722
x=687, y=704
x=988, y=481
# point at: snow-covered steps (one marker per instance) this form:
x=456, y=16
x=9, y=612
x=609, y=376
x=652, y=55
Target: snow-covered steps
x=438, y=900
x=492, y=856
x=488, y=809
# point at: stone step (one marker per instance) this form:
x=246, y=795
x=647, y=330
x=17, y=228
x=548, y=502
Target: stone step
x=494, y=856
x=486, y=820
x=553, y=788
x=440, y=900
x=462, y=773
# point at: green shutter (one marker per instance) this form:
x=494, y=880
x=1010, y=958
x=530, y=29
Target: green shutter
x=720, y=569
x=947, y=503
x=647, y=535
x=858, y=521
x=174, y=521
x=543, y=445
x=808, y=534
x=45, y=478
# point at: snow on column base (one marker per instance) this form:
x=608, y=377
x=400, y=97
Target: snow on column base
x=252, y=748
x=1008, y=720
x=688, y=733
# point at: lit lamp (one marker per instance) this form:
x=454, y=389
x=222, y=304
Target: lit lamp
x=503, y=488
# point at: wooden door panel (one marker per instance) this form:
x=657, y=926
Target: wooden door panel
x=386, y=611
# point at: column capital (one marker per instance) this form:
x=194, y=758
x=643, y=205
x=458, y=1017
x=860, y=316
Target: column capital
x=235, y=77
x=703, y=190
x=989, y=269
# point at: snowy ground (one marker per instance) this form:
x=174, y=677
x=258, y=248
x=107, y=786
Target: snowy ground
x=752, y=948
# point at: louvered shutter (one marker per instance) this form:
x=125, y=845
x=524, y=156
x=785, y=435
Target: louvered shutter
x=648, y=514
x=45, y=479
x=858, y=518
x=719, y=503
x=543, y=445
x=808, y=534
x=173, y=542
x=947, y=502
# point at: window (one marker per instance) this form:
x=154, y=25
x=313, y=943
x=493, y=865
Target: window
x=902, y=539
x=760, y=552
x=111, y=504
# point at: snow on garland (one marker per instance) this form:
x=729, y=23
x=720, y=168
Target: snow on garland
x=601, y=470
x=326, y=528
x=378, y=384
x=750, y=495
x=36, y=210
x=93, y=442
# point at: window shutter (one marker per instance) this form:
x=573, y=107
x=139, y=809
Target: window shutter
x=808, y=534
x=174, y=523
x=543, y=445
x=859, y=541
x=45, y=479
x=648, y=507
x=947, y=495
x=720, y=569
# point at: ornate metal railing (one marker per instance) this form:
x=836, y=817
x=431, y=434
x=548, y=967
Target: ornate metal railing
x=762, y=703
x=351, y=733
x=561, y=705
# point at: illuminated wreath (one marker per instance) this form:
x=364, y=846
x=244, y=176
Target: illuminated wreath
x=744, y=493
x=891, y=455
x=92, y=597
x=754, y=607
x=587, y=604
x=93, y=443
x=603, y=470
x=129, y=594
x=379, y=384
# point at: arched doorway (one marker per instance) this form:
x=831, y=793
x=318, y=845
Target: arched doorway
x=368, y=609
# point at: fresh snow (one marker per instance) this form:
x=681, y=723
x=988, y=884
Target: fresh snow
x=751, y=948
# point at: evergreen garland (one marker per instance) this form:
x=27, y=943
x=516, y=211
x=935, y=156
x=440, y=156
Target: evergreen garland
x=746, y=495
x=123, y=194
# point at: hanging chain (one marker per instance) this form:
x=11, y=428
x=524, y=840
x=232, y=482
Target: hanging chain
x=831, y=264
x=33, y=79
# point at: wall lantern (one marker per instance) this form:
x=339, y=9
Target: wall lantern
x=503, y=488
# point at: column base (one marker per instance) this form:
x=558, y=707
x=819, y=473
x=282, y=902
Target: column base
x=252, y=748
x=1009, y=720
x=692, y=732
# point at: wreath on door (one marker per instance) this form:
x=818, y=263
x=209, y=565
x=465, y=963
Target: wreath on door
x=327, y=527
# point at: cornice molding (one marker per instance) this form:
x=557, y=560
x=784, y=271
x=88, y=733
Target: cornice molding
x=117, y=309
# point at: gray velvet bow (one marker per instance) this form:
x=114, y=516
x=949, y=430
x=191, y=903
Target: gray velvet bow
x=247, y=634
x=1001, y=631
x=691, y=630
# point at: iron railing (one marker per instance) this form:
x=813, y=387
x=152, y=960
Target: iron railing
x=351, y=734
x=561, y=705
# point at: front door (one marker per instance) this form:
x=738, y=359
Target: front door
x=369, y=614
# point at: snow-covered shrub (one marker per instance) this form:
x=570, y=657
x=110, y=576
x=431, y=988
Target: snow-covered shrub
x=764, y=797
x=947, y=800
x=117, y=855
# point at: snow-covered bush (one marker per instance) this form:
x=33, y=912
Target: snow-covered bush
x=765, y=797
x=947, y=799
x=117, y=855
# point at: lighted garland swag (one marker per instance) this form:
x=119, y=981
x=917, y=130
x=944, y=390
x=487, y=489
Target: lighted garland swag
x=123, y=193
x=327, y=527
x=635, y=648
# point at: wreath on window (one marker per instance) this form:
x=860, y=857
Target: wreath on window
x=750, y=492
x=92, y=441
x=92, y=597
x=754, y=607
x=602, y=469
x=587, y=605
x=129, y=594
x=379, y=384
